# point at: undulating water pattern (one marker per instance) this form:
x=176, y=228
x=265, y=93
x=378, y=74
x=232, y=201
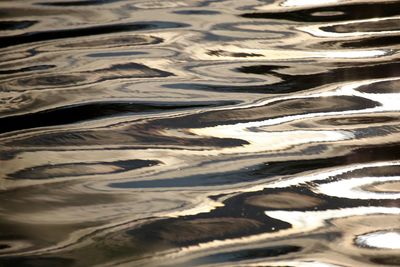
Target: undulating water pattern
x=199, y=133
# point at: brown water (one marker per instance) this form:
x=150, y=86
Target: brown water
x=199, y=133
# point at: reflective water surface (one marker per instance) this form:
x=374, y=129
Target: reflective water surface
x=199, y=133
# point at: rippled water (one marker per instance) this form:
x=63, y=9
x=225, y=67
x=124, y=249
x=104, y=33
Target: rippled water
x=199, y=133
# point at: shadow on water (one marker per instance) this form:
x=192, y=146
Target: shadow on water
x=353, y=11
x=89, y=111
x=7, y=41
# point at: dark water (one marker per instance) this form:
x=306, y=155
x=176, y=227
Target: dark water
x=199, y=133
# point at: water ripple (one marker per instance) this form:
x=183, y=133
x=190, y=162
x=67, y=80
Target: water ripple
x=199, y=133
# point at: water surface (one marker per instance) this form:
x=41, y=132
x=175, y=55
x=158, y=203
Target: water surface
x=199, y=133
